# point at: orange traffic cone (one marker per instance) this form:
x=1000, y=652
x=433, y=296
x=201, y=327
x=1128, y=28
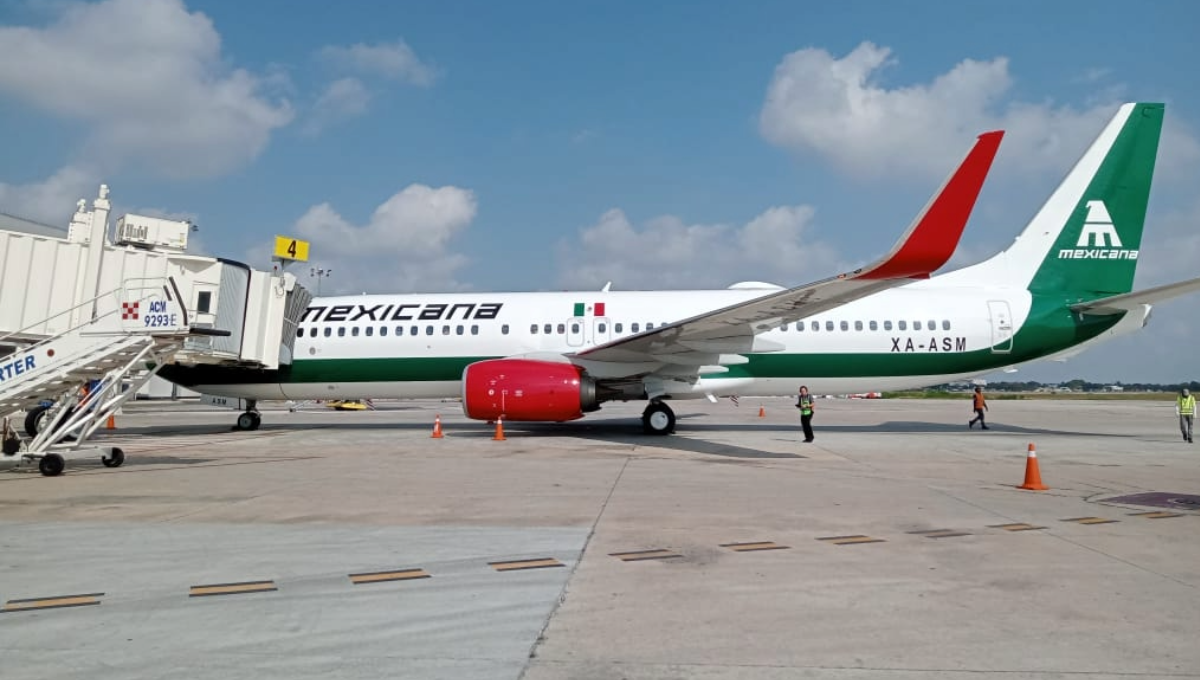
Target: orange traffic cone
x=112, y=423
x=499, y=436
x=1033, y=474
x=762, y=412
x=437, y=427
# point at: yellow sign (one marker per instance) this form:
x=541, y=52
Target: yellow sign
x=288, y=248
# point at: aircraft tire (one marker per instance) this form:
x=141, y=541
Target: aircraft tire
x=33, y=419
x=658, y=418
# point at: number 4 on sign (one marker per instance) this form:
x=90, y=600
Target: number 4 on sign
x=288, y=248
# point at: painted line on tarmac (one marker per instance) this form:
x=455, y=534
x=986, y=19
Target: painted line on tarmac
x=1090, y=520
x=1158, y=514
x=850, y=540
x=1016, y=526
x=640, y=555
x=232, y=588
x=752, y=547
x=940, y=533
x=59, y=602
x=385, y=576
x=540, y=563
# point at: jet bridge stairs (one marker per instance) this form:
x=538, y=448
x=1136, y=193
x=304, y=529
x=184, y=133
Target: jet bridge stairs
x=87, y=317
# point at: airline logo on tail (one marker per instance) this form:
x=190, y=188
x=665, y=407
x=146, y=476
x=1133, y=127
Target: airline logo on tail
x=1098, y=240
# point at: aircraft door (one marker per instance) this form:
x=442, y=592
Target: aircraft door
x=575, y=326
x=1002, y=326
x=601, y=330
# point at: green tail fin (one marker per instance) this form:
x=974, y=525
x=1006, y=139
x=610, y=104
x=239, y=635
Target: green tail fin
x=1101, y=209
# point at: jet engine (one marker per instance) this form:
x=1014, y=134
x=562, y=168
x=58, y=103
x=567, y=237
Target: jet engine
x=527, y=389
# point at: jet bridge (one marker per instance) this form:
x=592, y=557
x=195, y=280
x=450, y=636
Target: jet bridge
x=87, y=316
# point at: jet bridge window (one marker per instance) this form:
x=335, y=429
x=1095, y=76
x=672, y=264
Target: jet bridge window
x=204, y=301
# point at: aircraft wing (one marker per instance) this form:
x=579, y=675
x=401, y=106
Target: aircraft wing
x=699, y=341
x=1118, y=304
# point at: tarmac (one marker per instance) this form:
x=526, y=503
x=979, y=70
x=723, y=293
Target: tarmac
x=354, y=545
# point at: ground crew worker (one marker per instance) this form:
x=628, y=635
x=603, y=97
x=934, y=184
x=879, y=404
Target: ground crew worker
x=1185, y=408
x=979, y=404
x=804, y=402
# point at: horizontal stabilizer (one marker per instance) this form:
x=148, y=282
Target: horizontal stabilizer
x=1118, y=304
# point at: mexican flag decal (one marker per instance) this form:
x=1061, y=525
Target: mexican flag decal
x=589, y=309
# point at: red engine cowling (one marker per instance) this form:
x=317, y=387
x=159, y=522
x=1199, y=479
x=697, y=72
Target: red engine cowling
x=527, y=389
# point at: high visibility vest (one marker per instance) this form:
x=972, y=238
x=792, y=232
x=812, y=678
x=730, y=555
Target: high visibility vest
x=1187, y=405
x=806, y=405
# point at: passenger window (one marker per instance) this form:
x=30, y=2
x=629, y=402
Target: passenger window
x=649, y=326
x=887, y=325
x=562, y=328
x=341, y=331
x=932, y=325
x=633, y=327
x=446, y=330
x=328, y=331
x=902, y=325
x=873, y=325
x=458, y=330
x=354, y=331
x=369, y=331
x=602, y=327
x=504, y=329
x=548, y=329
x=575, y=328
x=845, y=325
x=533, y=329
x=916, y=325
x=414, y=330
x=399, y=331
x=783, y=327
x=382, y=330
x=474, y=329
x=816, y=326
x=619, y=328
x=799, y=325
x=829, y=325
x=429, y=330
x=858, y=325
x=945, y=325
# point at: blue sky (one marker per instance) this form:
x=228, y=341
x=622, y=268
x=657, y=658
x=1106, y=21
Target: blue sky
x=550, y=145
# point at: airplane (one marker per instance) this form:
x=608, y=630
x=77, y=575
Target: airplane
x=1062, y=286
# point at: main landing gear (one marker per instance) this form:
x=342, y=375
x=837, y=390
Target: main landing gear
x=251, y=419
x=658, y=418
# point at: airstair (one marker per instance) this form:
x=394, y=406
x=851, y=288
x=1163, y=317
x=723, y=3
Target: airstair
x=85, y=321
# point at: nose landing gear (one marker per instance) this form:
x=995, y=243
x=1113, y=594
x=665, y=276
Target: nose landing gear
x=251, y=419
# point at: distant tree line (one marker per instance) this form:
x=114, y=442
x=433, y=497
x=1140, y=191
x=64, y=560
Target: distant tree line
x=1076, y=385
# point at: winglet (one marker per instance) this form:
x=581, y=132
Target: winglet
x=933, y=236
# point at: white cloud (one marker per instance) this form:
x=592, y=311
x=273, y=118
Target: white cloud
x=404, y=247
x=51, y=201
x=839, y=109
x=667, y=253
x=395, y=60
x=148, y=80
x=344, y=98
